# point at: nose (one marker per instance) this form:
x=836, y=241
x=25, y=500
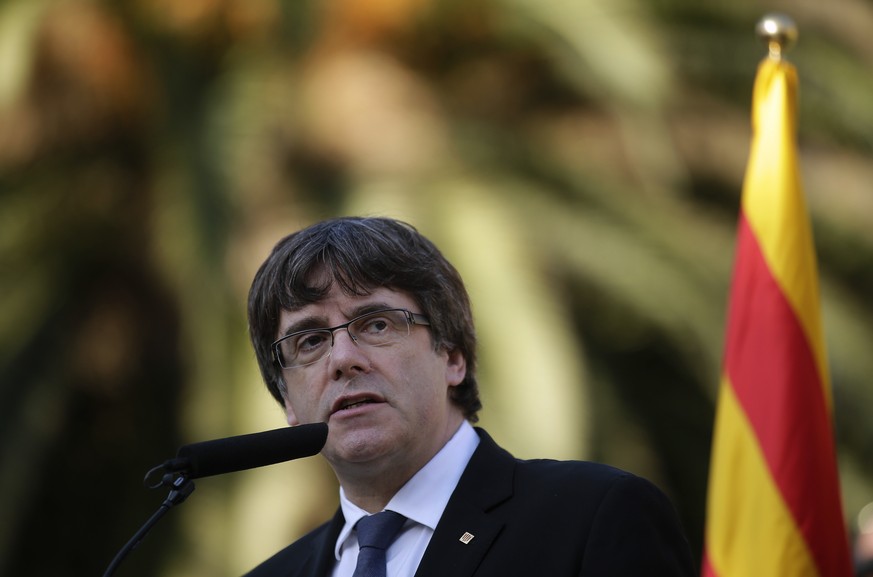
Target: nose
x=347, y=357
x=348, y=332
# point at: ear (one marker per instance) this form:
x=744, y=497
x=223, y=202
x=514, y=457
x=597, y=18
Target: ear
x=456, y=367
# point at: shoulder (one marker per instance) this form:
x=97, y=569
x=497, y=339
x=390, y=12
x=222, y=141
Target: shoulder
x=584, y=476
x=617, y=522
x=585, y=487
x=589, y=488
x=585, y=471
x=587, y=476
x=584, y=490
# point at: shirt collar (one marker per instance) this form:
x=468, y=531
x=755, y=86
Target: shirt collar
x=424, y=497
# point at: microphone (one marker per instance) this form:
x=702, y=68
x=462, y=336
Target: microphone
x=224, y=456
x=249, y=451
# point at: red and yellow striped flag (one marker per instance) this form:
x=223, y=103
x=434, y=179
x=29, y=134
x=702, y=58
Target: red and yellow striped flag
x=774, y=506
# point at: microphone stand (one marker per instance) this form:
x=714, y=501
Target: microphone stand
x=223, y=456
x=180, y=487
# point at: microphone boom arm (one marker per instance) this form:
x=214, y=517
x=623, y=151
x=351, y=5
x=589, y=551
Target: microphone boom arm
x=223, y=456
x=182, y=486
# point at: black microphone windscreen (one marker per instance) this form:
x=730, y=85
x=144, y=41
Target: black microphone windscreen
x=250, y=451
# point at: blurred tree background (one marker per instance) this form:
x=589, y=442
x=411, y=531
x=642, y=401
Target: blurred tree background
x=580, y=161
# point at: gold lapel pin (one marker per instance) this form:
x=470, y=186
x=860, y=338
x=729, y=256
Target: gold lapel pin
x=466, y=538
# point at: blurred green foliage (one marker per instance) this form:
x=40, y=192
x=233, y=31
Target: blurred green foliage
x=580, y=161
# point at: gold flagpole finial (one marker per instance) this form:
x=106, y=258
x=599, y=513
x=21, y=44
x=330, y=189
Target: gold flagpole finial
x=778, y=31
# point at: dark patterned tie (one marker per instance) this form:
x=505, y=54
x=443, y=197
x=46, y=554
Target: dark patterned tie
x=375, y=534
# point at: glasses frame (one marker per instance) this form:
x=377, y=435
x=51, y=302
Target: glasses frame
x=411, y=319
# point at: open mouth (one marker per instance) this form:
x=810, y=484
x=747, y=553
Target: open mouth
x=357, y=404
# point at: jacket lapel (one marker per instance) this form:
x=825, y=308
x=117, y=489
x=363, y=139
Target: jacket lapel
x=321, y=558
x=467, y=529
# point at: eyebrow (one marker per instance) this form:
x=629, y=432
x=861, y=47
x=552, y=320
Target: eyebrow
x=320, y=322
x=304, y=324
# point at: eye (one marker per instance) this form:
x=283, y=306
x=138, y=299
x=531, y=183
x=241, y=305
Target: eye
x=309, y=342
x=375, y=325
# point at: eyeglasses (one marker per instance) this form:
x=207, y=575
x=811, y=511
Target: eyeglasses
x=375, y=329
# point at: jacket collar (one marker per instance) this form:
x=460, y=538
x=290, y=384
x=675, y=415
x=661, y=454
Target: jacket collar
x=467, y=529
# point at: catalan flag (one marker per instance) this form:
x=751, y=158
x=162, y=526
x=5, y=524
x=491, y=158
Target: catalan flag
x=774, y=506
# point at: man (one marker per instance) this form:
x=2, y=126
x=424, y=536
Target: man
x=363, y=324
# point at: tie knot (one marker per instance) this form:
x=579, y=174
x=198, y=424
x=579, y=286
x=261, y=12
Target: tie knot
x=379, y=530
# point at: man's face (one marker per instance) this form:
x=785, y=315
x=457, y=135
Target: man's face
x=387, y=407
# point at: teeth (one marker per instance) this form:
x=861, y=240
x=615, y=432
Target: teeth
x=358, y=404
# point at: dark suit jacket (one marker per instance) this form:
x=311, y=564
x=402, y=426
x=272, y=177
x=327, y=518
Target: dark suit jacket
x=538, y=518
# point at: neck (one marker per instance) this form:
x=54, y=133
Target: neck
x=372, y=497
x=372, y=485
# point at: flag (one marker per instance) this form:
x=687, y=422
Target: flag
x=773, y=504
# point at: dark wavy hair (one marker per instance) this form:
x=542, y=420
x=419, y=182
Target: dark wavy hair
x=361, y=255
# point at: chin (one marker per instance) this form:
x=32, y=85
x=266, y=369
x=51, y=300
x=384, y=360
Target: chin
x=361, y=446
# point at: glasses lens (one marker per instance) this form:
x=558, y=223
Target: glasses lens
x=380, y=328
x=304, y=348
x=373, y=329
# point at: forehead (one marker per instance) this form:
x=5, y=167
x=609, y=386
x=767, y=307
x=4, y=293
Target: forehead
x=338, y=307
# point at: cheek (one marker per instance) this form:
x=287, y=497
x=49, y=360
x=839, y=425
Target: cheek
x=425, y=380
x=290, y=414
x=301, y=402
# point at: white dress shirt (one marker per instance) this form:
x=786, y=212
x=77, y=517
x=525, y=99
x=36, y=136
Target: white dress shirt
x=421, y=500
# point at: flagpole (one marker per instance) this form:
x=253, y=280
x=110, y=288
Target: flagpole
x=779, y=32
